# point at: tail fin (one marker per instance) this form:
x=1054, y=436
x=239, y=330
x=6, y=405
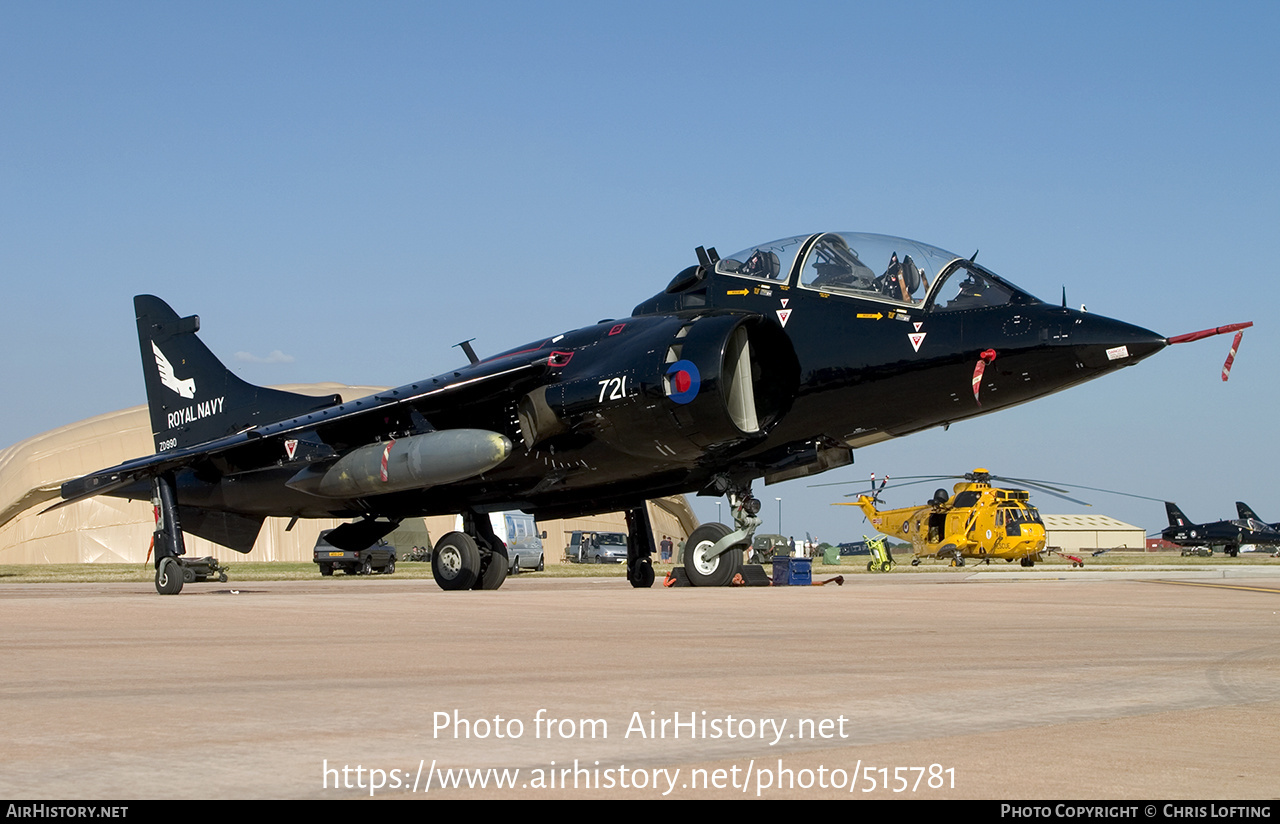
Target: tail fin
x=1176, y=518
x=1245, y=513
x=192, y=397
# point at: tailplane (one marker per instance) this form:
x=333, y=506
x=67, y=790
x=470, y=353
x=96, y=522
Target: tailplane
x=192, y=397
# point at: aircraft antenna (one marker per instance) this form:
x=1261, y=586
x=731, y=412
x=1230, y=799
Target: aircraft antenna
x=471, y=353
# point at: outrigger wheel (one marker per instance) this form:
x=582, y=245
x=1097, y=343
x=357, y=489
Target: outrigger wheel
x=640, y=573
x=169, y=575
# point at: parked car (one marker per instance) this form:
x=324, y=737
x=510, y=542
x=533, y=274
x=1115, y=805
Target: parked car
x=597, y=547
x=764, y=547
x=381, y=557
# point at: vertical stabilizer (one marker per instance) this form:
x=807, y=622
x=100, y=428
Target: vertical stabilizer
x=1176, y=518
x=192, y=397
x=1243, y=510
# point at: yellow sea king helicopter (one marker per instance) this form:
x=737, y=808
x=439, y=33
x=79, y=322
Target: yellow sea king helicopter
x=978, y=521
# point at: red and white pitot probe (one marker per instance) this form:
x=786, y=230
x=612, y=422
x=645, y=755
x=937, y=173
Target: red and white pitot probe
x=1238, y=328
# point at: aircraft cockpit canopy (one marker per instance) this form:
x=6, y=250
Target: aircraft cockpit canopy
x=878, y=267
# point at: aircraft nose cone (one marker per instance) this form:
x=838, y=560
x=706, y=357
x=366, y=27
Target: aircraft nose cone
x=1105, y=343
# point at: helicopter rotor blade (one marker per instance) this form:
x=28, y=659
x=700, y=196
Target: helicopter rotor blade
x=923, y=479
x=1048, y=490
x=1090, y=489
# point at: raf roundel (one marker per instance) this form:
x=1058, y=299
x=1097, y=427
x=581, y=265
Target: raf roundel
x=683, y=381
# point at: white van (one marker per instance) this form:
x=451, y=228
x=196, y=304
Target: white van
x=519, y=532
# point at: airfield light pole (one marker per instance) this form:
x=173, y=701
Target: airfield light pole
x=779, y=500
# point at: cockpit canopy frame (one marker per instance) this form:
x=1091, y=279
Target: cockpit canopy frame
x=882, y=268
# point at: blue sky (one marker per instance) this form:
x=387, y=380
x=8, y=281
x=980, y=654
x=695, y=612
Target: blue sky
x=358, y=187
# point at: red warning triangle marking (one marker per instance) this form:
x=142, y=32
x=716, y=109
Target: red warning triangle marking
x=783, y=315
x=916, y=339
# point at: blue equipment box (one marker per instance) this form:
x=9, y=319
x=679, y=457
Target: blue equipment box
x=797, y=572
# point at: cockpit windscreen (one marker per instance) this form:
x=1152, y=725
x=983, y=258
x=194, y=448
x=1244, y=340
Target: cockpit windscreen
x=771, y=261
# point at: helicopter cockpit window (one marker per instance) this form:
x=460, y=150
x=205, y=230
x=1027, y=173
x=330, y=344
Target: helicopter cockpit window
x=1030, y=515
x=770, y=261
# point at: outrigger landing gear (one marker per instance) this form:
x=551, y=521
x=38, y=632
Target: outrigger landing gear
x=172, y=570
x=713, y=553
x=639, y=547
x=167, y=540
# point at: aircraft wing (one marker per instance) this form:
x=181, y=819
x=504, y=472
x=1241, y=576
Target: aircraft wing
x=363, y=413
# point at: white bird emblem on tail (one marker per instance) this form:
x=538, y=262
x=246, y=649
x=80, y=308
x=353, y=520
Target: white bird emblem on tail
x=185, y=388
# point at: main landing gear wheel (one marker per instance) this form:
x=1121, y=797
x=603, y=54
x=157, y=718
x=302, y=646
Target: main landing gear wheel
x=169, y=576
x=455, y=563
x=710, y=572
x=494, y=572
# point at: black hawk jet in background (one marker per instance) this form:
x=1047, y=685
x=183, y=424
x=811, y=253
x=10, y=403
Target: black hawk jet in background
x=775, y=363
